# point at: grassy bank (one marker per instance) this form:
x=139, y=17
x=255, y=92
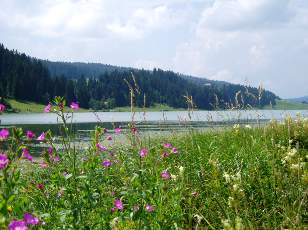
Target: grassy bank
x=240, y=178
x=287, y=105
x=32, y=107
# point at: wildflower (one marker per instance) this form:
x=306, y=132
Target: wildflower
x=136, y=208
x=3, y=160
x=143, y=152
x=56, y=159
x=43, y=165
x=47, y=108
x=18, y=225
x=100, y=147
x=109, y=138
x=41, y=137
x=181, y=170
x=195, y=194
x=118, y=204
x=106, y=163
x=248, y=126
x=50, y=150
x=165, y=175
x=165, y=154
x=40, y=186
x=118, y=130
x=134, y=130
x=74, y=106
x=149, y=208
x=167, y=145
x=4, y=134
x=26, y=154
x=113, y=209
x=60, y=193
x=30, y=219
x=2, y=108
x=30, y=135
x=174, y=150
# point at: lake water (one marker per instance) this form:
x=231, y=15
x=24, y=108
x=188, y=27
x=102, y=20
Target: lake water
x=148, y=124
x=170, y=116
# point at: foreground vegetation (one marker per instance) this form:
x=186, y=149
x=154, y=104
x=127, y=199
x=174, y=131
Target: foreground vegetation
x=240, y=178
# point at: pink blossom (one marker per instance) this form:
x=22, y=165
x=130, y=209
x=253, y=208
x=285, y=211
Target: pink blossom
x=100, y=147
x=43, y=165
x=165, y=175
x=134, y=130
x=30, y=135
x=30, y=219
x=47, y=108
x=56, y=159
x=143, y=152
x=26, y=154
x=149, y=208
x=109, y=137
x=118, y=204
x=4, y=161
x=174, y=150
x=50, y=150
x=4, y=134
x=74, y=106
x=2, y=108
x=165, y=154
x=106, y=163
x=40, y=186
x=167, y=145
x=18, y=225
x=41, y=137
x=117, y=130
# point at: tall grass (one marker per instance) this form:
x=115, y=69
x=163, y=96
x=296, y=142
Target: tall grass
x=239, y=178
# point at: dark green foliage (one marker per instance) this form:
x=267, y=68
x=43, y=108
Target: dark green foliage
x=100, y=86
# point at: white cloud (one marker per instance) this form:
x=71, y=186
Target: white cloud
x=258, y=40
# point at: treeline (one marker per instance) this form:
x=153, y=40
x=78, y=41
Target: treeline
x=26, y=78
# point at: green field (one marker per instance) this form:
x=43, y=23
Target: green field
x=287, y=105
x=238, y=178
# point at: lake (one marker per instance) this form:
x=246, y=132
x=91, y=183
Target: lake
x=149, y=121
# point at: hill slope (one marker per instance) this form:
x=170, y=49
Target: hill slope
x=100, y=86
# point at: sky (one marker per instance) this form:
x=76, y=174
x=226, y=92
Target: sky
x=249, y=42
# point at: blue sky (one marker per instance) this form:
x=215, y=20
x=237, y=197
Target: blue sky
x=242, y=41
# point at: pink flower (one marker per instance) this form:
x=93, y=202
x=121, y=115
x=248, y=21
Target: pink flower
x=165, y=175
x=18, y=225
x=26, y=154
x=100, y=147
x=106, y=163
x=40, y=186
x=43, y=165
x=4, y=161
x=4, y=134
x=2, y=108
x=56, y=159
x=30, y=135
x=165, y=154
x=74, y=106
x=41, y=137
x=50, y=150
x=109, y=138
x=117, y=130
x=167, y=145
x=134, y=130
x=174, y=150
x=30, y=219
x=47, y=108
x=143, y=152
x=118, y=204
x=149, y=208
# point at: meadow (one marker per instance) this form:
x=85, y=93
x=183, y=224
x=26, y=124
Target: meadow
x=240, y=178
